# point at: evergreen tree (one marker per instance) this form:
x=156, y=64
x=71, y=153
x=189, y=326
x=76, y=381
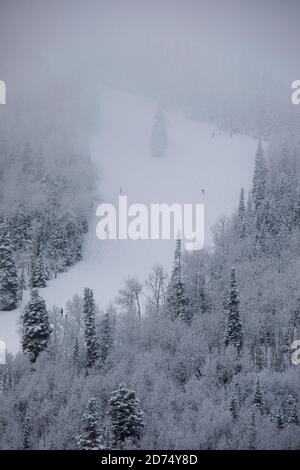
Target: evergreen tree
x=159, y=140
x=177, y=301
x=57, y=246
x=26, y=433
x=296, y=208
x=75, y=353
x=9, y=284
x=105, y=335
x=252, y=430
x=233, y=407
x=249, y=216
x=241, y=216
x=89, y=309
x=39, y=275
x=22, y=284
x=257, y=401
x=259, y=179
x=35, y=327
x=291, y=410
x=91, y=436
x=234, y=333
x=279, y=419
x=127, y=418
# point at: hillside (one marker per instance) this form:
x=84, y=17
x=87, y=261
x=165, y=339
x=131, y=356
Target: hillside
x=198, y=157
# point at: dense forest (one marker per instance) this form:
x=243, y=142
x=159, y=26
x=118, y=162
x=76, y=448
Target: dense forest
x=45, y=206
x=206, y=364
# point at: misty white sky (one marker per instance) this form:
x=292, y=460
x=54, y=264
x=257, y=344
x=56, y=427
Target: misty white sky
x=74, y=42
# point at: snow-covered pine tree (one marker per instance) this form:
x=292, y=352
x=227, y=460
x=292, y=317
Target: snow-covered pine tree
x=35, y=326
x=9, y=284
x=127, y=418
x=177, y=301
x=257, y=400
x=159, y=139
x=106, y=335
x=241, y=216
x=296, y=208
x=89, y=310
x=234, y=332
x=26, y=433
x=249, y=216
x=291, y=410
x=39, y=275
x=56, y=248
x=22, y=283
x=233, y=407
x=279, y=419
x=91, y=436
x=75, y=353
x=252, y=430
x=259, y=179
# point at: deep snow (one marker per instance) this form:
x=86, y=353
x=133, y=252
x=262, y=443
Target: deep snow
x=198, y=157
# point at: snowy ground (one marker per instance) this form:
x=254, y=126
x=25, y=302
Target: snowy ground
x=195, y=160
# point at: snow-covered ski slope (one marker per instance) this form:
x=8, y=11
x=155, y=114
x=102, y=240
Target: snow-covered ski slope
x=198, y=157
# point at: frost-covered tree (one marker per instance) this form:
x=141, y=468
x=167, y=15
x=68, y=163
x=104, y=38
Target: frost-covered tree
x=91, y=436
x=156, y=285
x=177, y=301
x=296, y=207
x=39, y=275
x=9, y=284
x=127, y=418
x=75, y=353
x=233, y=333
x=241, y=216
x=291, y=410
x=233, y=407
x=26, y=433
x=258, y=400
x=279, y=419
x=159, y=139
x=129, y=296
x=91, y=342
x=35, y=326
x=252, y=430
x=106, y=332
x=22, y=283
x=259, y=179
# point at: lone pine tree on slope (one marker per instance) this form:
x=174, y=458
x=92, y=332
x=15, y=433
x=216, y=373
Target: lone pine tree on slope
x=259, y=179
x=159, y=139
x=177, y=301
x=233, y=333
x=89, y=309
x=91, y=436
x=35, y=326
x=241, y=216
x=8, y=272
x=127, y=419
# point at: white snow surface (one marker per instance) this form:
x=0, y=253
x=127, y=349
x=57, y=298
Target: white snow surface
x=194, y=160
